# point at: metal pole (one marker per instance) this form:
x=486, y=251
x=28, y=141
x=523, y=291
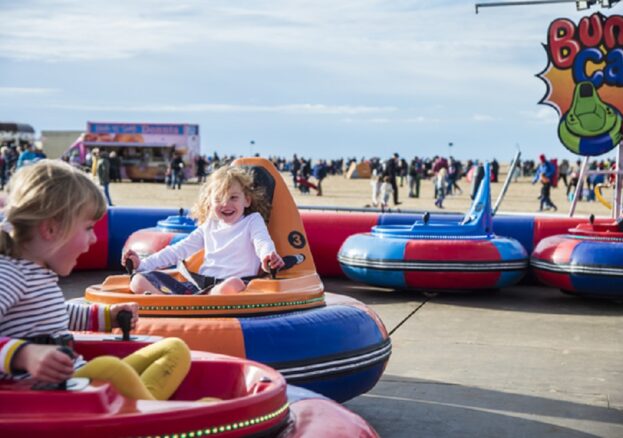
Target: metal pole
x=578, y=188
x=616, y=208
x=522, y=3
x=507, y=183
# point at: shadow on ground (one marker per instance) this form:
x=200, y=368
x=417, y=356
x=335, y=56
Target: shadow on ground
x=523, y=298
x=402, y=407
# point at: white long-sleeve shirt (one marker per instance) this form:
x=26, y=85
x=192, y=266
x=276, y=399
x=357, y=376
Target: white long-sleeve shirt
x=229, y=250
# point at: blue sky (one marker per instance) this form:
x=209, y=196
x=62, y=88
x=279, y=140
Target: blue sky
x=320, y=78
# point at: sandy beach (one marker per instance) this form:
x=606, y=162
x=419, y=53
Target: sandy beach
x=339, y=191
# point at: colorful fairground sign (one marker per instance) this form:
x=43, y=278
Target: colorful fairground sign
x=584, y=78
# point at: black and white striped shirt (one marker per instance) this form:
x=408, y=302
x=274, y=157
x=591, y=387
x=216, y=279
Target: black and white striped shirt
x=32, y=304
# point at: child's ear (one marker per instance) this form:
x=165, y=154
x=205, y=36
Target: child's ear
x=48, y=229
x=247, y=201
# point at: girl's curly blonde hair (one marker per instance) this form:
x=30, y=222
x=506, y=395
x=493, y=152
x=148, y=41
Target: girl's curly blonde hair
x=218, y=184
x=48, y=189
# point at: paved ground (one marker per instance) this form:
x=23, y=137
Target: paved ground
x=522, y=362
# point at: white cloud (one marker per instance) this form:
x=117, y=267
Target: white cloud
x=543, y=114
x=16, y=91
x=483, y=118
x=318, y=109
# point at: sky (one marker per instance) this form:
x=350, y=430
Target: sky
x=321, y=78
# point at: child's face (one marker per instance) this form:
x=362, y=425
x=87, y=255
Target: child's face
x=231, y=208
x=63, y=259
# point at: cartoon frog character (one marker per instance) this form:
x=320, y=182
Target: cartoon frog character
x=590, y=127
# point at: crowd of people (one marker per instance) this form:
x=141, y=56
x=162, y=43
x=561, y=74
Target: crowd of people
x=307, y=175
x=14, y=155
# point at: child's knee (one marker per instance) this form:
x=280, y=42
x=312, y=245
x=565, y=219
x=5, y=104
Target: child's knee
x=177, y=347
x=140, y=284
x=137, y=284
x=232, y=285
x=103, y=368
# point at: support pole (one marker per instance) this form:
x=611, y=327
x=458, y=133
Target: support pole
x=616, y=208
x=579, y=187
x=507, y=183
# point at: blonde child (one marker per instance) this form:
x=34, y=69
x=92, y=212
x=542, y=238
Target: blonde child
x=375, y=182
x=48, y=222
x=231, y=232
x=386, y=192
x=441, y=184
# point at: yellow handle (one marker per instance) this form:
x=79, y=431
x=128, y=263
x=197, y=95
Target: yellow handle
x=600, y=198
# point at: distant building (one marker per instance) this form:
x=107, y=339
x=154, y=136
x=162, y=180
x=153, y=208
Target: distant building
x=13, y=133
x=57, y=142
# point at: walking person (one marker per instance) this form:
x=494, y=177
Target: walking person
x=115, y=167
x=545, y=173
x=441, y=182
x=414, y=176
x=177, y=171
x=563, y=172
x=390, y=171
x=386, y=192
x=319, y=172
x=295, y=166
x=103, y=174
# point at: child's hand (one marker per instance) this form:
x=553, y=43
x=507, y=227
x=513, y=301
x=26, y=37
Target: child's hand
x=272, y=261
x=130, y=254
x=44, y=362
x=130, y=307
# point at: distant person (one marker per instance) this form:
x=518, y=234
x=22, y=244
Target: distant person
x=115, y=167
x=545, y=174
x=403, y=169
x=441, y=182
x=495, y=170
x=375, y=182
x=27, y=156
x=563, y=171
x=386, y=191
x=414, y=177
x=295, y=167
x=95, y=155
x=39, y=152
x=454, y=174
x=177, y=171
x=103, y=174
x=574, y=179
x=201, y=172
x=516, y=171
x=390, y=170
x=320, y=173
x=232, y=232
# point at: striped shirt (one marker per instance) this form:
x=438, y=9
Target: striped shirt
x=32, y=304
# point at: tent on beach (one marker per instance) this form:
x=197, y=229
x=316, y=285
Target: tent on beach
x=359, y=170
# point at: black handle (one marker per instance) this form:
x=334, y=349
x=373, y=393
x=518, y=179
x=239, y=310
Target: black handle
x=181, y=212
x=426, y=218
x=288, y=262
x=69, y=352
x=124, y=321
